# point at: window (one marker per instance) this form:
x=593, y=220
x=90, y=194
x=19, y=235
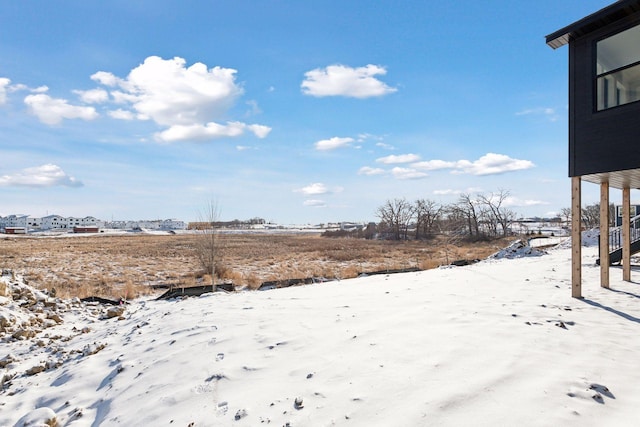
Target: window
x=632, y=211
x=618, y=69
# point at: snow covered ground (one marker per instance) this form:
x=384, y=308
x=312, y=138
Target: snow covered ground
x=497, y=343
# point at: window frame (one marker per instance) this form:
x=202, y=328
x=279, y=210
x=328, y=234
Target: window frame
x=598, y=76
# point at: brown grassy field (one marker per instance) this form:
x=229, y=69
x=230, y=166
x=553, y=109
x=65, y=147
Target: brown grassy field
x=130, y=265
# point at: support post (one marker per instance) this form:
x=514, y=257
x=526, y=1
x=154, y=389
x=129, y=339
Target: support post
x=576, y=237
x=626, y=234
x=604, y=234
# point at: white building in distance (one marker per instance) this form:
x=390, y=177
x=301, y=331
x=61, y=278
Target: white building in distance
x=58, y=222
x=154, y=224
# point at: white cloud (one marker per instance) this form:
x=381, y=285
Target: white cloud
x=515, y=202
x=549, y=113
x=207, y=131
x=186, y=100
x=365, y=137
x=402, y=158
x=315, y=188
x=93, y=96
x=253, y=107
x=493, y=164
x=172, y=94
x=315, y=203
x=333, y=143
x=199, y=132
x=407, y=173
x=385, y=146
x=369, y=171
x=6, y=87
x=121, y=114
x=4, y=84
x=432, y=165
x=340, y=80
x=542, y=110
x=48, y=175
x=244, y=147
x=260, y=131
x=106, y=78
x=447, y=192
x=53, y=110
x=489, y=164
x=120, y=97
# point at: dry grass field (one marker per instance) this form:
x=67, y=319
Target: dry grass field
x=130, y=265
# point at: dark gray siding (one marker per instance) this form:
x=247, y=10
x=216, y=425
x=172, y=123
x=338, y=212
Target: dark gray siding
x=603, y=141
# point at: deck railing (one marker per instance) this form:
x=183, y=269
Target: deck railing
x=615, y=234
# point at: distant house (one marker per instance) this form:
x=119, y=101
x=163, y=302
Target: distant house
x=155, y=224
x=58, y=222
x=52, y=222
x=87, y=221
x=604, y=120
x=14, y=221
x=351, y=226
x=34, y=223
x=172, y=224
x=634, y=210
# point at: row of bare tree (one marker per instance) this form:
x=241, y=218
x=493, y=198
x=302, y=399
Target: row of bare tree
x=476, y=217
x=591, y=215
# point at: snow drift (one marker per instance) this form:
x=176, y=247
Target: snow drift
x=500, y=342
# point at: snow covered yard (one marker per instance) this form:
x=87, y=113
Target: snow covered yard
x=500, y=342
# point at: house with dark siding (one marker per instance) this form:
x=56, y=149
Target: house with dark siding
x=604, y=121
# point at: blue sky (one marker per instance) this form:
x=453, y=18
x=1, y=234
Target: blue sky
x=293, y=111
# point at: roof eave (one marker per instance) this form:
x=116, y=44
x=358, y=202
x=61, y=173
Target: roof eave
x=612, y=13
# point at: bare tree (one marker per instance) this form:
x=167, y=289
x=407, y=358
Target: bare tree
x=370, y=231
x=451, y=243
x=591, y=215
x=468, y=208
x=208, y=245
x=395, y=217
x=565, y=214
x=427, y=213
x=612, y=215
x=454, y=221
x=498, y=214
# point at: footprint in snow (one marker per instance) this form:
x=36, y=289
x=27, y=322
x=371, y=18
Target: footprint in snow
x=595, y=392
x=223, y=407
x=603, y=390
x=562, y=324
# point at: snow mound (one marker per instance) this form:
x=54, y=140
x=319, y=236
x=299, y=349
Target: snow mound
x=590, y=238
x=41, y=417
x=38, y=335
x=518, y=249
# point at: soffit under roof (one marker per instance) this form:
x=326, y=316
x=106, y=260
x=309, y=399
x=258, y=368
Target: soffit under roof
x=618, y=179
x=608, y=15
